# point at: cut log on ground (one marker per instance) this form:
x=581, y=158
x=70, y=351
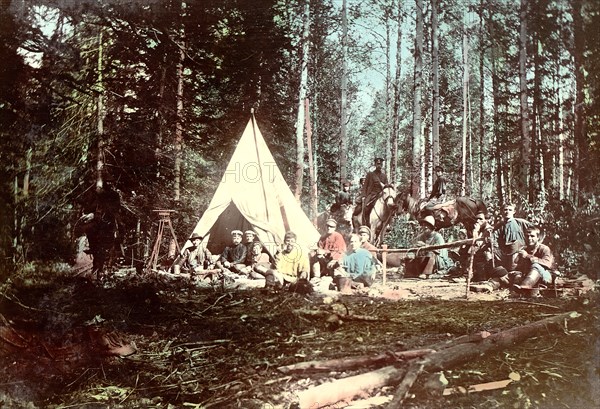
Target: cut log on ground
x=347, y=364
x=446, y=358
x=345, y=389
x=451, y=357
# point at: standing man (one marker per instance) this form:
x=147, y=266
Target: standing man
x=509, y=235
x=374, y=183
x=438, y=191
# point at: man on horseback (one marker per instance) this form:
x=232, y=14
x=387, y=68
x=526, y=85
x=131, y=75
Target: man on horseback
x=438, y=191
x=372, y=187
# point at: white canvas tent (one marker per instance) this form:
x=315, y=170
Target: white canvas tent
x=253, y=195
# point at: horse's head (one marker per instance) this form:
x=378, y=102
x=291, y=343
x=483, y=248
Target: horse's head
x=346, y=211
x=388, y=195
x=407, y=203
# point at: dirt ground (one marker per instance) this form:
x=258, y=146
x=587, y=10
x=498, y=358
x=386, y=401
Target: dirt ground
x=212, y=345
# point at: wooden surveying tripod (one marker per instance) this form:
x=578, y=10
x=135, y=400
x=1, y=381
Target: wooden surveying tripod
x=165, y=219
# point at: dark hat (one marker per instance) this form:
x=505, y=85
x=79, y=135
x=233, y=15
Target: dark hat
x=290, y=235
x=195, y=236
x=438, y=167
x=256, y=242
x=346, y=183
x=378, y=160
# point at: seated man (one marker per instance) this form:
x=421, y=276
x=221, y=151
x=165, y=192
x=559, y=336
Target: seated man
x=534, y=262
x=196, y=258
x=364, y=233
x=330, y=248
x=233, y=256
x=358, y=264
x=435, y=261
x=291, y=264
x=257, y=263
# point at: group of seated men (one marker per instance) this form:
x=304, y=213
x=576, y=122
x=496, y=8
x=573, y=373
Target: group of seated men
x=247, y=256
x=511, y=254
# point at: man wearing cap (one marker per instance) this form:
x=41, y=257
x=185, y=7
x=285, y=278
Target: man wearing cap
x=330, y=248
x=233, y=256
x=195, y=258
x=249, y=238
x=433, y=261
x=372, y=187
x=364, y=233
x=343, y=197
x=509, y=236
x=257, y=262
x=438, y=191
x=291, y=263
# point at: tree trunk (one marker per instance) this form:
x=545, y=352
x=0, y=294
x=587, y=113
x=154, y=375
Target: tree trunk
x=100, y=122
x=179, y=121
x=301, y=102
x=314, y=201
x=465, y=119
x=580, y=152
x=535, y=179
x=497, y=138
x=397, y=97
x=525, y=159
x=417, y=148
x=435, y=84
x=388, y=93
x=344, y=90
x=482, y=117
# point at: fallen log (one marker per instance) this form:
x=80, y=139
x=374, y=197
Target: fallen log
x=446, y=358
x=345, y=389
x=451, y=357
x=347, y=364
x=350, y=363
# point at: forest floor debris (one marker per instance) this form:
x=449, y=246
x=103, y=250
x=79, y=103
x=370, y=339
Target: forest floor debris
x=214, y=346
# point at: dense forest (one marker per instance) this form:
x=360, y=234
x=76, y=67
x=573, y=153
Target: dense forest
x=137, y=105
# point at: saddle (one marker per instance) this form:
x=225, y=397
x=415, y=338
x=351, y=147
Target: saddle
x=442, y=212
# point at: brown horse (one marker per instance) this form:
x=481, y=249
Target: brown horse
x=382, y=212
x=463, y=210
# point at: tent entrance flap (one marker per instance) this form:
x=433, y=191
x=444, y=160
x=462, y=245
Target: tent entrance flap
x=220, y=234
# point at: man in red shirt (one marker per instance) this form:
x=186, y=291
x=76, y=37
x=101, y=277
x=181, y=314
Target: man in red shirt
x=330, y=248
